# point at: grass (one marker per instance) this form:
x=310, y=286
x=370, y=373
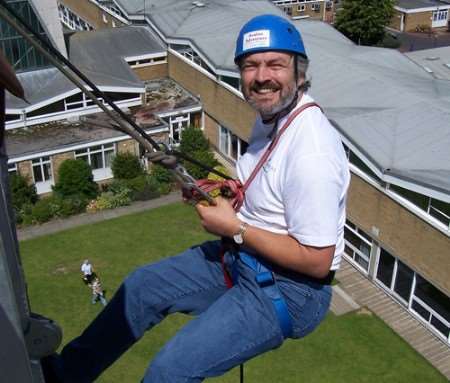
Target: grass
x=356, y=347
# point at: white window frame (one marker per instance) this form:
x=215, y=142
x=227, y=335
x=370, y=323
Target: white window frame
x=226, y=145
x=176, y=126
x=12, y=168
x=439, y=18
x=72, y=20
x=351, y=257
x=104, y=172
x=315, y=7
x=301, y=8
x=44, y=186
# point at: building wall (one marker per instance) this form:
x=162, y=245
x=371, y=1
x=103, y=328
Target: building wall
x=395, y=22
x=412, y=20
x=24, y=168
x=211, y=130
x=415, y=242
x=218, y=102
x=322, y=14
x=91, y=13
x=58, y=159
x=152, y=72
x=127, y=146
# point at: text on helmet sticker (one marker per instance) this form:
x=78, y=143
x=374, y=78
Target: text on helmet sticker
x=256, y=39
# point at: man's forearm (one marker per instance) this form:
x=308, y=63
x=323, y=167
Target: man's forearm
x=285, y=251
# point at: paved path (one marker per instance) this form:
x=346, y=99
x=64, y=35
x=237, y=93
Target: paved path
x=367, y=294
x=85, y=218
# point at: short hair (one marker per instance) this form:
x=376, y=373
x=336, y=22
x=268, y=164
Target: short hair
x=302, y=68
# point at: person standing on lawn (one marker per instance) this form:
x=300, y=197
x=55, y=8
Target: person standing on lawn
x=87, y=271
x=97, y=292
x=287, y=238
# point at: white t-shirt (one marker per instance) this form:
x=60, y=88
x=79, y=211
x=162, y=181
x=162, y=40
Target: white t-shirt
x=86, y=268
x=301, y=190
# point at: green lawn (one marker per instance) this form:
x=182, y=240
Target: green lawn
x=355, y=347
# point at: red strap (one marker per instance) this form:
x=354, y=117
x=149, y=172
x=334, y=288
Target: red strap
x=274, y=142
x=237, y=190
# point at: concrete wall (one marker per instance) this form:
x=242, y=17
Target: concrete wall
x=221, y=104
x=91, y=13
x=415, y=242
x=151, y=72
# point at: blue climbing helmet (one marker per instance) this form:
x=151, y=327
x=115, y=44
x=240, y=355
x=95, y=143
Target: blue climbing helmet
x=268, y=33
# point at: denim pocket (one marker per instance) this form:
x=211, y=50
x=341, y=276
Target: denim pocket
x=306, y=304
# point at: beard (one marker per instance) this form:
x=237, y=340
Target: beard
x=268, y=109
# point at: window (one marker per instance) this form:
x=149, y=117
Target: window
x=233, y=81
x=329, y=5
x=99, y=158
x=358, y=246
x=301, y=8
x=12, y=168
x=395, y=276
x=432, y=306
x=42, y=174
x=177, y=125
x=315, y=7
x=231, y=145
x=72, y=20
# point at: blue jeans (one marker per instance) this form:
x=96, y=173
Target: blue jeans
x=230, y=327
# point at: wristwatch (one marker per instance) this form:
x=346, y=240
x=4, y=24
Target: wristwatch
x=238, y=238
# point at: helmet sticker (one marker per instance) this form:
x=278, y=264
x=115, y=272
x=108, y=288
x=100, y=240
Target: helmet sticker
x=256, y=39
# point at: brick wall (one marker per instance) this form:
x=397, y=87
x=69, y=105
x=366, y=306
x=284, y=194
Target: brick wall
x=412, y=20
x=422, y=247
x=128, y=146
x=91, y=13
x=24, y=168
x=58, y=159
x=152, y=72
x=218, y=102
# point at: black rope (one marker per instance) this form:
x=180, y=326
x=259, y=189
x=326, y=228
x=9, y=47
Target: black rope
x=106, y=98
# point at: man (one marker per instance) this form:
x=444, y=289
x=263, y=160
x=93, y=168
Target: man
x=288, y=235
x=87, y=271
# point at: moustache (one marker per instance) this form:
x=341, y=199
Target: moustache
x=257, y=86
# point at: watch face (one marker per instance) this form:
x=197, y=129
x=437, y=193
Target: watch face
x=238, y=239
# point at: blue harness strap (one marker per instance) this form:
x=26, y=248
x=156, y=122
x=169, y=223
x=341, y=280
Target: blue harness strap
x=265, y=279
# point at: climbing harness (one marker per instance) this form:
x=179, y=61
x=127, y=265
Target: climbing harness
x=264, y=275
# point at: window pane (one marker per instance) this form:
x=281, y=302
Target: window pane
x=419, y=309
x=385, y=268
x=417, y=199
x=47, y=172
x=244, y=147
x=96, y=161
x=441, y=327
x=434, y=298
x=403, y=281
x=234, y=146
x=37, y=173
x=109, y=155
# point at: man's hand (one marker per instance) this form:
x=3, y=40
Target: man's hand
x=220, y=219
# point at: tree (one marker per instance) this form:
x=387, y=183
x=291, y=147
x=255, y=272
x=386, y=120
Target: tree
x=364, y=21
x=75, y=178
x=196, y=145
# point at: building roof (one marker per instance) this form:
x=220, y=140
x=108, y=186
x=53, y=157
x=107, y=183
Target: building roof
x=166, y=96
x=100, y=56
x=418, y=4
x=435, y=61
x=390, y=111
x=213, y=28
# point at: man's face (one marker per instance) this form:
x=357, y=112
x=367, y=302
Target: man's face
x=268, y=81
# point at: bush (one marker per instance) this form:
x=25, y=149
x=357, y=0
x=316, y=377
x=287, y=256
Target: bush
x=109, y=200
x=206, y=158
x=44, y=210
x=196, y=145
x=161, y=174
x=75, y=178
x=22, y=193
x=126, y=166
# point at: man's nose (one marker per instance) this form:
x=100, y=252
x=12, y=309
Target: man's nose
x=262, y=74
